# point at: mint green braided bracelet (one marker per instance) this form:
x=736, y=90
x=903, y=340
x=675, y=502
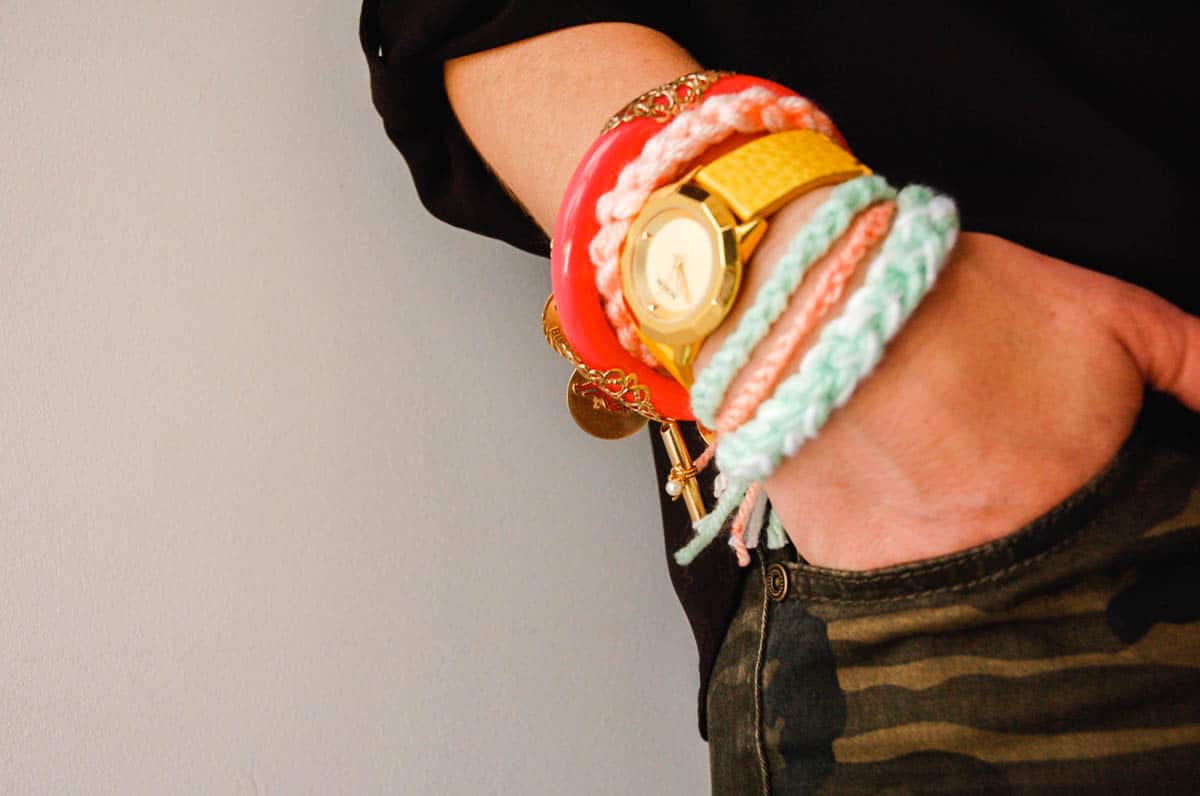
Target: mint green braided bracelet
x=852, y=344
x=826, y=225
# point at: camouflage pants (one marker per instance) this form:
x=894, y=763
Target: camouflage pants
x=1062, y=658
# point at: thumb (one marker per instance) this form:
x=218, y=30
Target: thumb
x=1165, y=342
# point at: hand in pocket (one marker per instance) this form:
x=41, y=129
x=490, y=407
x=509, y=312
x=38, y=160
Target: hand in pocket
x=1015, y=382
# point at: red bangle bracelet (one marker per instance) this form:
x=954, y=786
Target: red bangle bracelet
x=579, y=304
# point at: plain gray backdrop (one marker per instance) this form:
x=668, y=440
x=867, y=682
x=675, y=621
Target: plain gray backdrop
x=290, y=501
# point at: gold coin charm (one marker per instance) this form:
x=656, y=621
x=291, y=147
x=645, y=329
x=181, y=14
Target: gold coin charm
x=609, y=404
x=599, y=414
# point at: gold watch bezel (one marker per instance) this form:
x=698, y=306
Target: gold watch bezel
x=711, y=211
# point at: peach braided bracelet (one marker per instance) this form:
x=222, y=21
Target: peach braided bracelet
x=867, y=231
x=824, y=228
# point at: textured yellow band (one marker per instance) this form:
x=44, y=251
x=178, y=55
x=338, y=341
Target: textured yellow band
x=756, y=179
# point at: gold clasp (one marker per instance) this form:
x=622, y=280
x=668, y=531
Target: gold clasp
x=682, y=480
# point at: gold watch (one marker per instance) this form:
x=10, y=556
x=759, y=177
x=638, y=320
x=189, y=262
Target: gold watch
x=682, y=262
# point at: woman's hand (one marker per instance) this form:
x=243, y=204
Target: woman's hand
x=1015, y=382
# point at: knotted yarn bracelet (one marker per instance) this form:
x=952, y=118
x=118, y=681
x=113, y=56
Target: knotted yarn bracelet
x=839, y=265
x=796, y=326
x=837, y=217
x=850, y=345
x=847, y=350
x=828, y=223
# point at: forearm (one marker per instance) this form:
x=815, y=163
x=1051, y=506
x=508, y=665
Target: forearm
x=532, y=108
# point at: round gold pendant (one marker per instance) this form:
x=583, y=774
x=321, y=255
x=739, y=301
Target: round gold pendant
x=599, y=414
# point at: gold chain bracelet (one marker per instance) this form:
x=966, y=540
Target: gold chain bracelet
x=667, y=100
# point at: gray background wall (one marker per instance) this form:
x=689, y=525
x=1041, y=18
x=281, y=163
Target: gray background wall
x=289, y=498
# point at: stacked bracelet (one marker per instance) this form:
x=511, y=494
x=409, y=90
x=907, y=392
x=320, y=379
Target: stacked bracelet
x=847, y=349
x=868, y=230
x=851, y=345
x=827, y=224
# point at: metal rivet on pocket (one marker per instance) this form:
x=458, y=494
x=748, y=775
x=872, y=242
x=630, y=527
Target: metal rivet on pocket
x=777, y=582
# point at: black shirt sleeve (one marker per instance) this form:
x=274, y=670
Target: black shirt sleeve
x=406, y=45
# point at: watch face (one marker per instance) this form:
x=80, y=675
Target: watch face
x=675, y=264
x=680, y=266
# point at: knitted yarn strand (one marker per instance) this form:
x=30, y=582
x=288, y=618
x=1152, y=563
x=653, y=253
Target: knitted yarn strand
x=869, y=228
x=852, y=344
x=776, y=535
x=847, y=349
x=708, y=526
x=737, y=531
x=756, y=525
x=826, y=225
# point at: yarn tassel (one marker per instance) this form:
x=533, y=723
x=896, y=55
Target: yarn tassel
x=737, y=532
x=708, y=526
x=755, y=526
x=776, y=536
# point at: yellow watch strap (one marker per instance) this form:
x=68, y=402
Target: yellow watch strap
x=756, y=179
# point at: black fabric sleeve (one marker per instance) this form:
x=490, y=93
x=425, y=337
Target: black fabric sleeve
x=406, y=45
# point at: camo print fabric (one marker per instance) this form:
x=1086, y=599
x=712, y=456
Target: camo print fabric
x=1064, y=658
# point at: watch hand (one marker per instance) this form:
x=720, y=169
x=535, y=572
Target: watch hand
x=682, y=275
